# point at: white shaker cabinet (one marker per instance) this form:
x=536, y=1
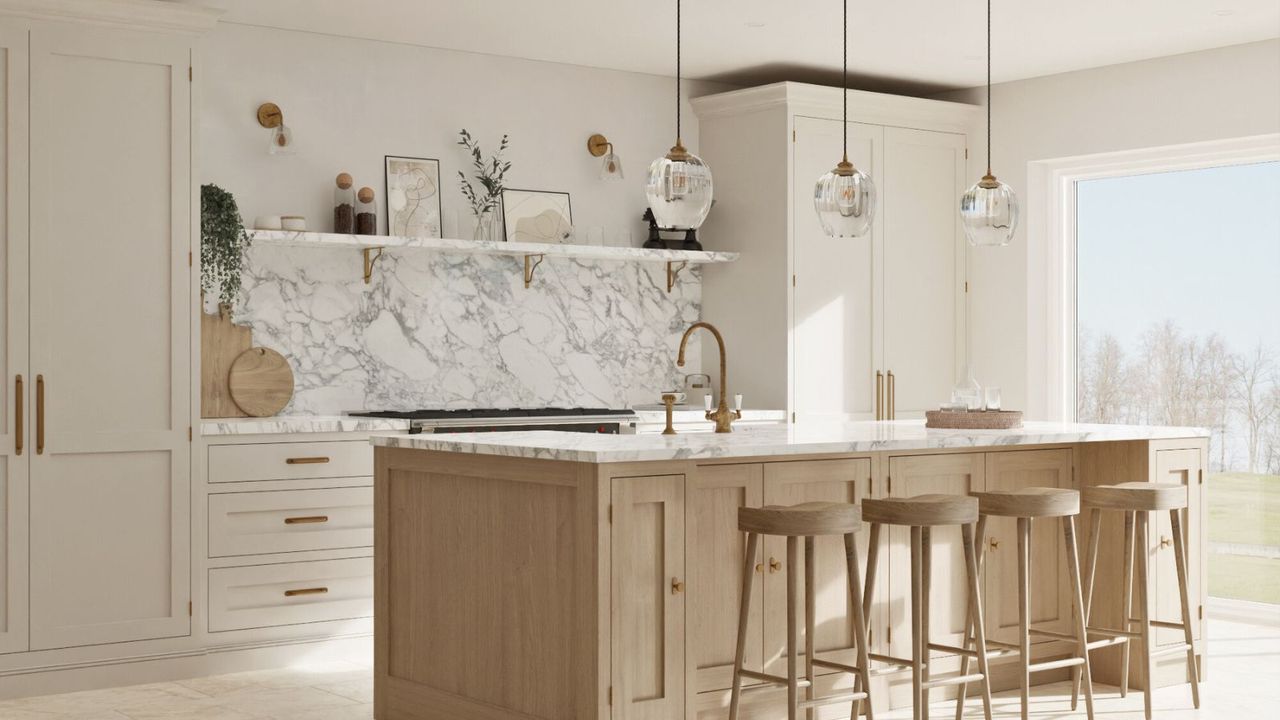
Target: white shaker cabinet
x=837, y=328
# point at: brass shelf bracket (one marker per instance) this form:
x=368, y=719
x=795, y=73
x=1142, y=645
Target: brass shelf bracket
x=530, y=265
x=673, y=272
x=371, y=256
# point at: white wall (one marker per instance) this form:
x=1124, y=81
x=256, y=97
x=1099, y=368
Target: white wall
x=1223, y=93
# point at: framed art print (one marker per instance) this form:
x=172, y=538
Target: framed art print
x=537, y=216
x=413, y=196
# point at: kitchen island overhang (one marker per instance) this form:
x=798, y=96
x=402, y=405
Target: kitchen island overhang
x=562, y=575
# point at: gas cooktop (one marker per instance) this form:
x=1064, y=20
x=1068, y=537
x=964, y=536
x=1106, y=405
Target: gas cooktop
x=490, y=413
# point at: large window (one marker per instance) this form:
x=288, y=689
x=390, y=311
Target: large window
x=1178, y=323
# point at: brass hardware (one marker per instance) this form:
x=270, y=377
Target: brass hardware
x=1166, y=542
x=270, y=115
x=318, y=460
x=1201, y=612
x=670, y=401
x=673, y=272
x=759, y=568
x=994, y=543
x=306, y=591
x=371, y=256
x=892, y=409
x=306, y=520
x=879, y=395
x=598, y=145
x=39, y=414
x=677, y=587
x=18, y=412
x=774, y=565
x=888, y=635
x=530, y=266
x=722, y=415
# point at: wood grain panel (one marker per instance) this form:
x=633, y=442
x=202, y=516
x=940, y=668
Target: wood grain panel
x=221, y=342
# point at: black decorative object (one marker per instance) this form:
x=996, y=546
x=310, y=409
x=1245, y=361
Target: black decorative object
x=691, y=240
x=655, y=239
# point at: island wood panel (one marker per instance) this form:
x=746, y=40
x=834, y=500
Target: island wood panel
x=1185, y=466
x=486, y=593
x=715, y=554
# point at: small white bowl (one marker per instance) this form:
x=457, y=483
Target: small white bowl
x=295, y=223
x=267, y=222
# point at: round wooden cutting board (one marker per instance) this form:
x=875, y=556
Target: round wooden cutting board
x=261, y=382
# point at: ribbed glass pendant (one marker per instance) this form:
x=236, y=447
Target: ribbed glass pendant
x=989, y=212
x=845, y=200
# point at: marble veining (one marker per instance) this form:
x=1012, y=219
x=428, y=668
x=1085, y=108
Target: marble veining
x=447, y=330
x=854, y=437
x=288, y=424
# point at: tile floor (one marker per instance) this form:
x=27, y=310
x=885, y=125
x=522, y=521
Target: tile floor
x=1244, y=662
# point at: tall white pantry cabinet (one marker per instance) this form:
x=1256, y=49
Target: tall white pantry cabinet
x=848, y=329
x=98, y=217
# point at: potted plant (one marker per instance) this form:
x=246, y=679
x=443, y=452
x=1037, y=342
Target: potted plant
x=491, y=175
x=222, y=243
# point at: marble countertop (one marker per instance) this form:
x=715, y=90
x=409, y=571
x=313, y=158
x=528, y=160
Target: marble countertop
x=762, y=441
x=288, y=424
x=656, y=415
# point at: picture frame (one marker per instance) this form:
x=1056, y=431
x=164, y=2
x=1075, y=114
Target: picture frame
x=412, y=191
x=537, y=216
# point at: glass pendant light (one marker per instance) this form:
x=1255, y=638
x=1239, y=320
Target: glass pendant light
x=679, y=186
x=989, y=210
x=845, y=198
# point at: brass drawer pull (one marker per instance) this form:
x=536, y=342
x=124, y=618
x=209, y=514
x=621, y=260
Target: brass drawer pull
x=774, y=565
x=677, y=587
x=319, y=460
x=18, y=412
x=306, y=591
x=306, y=520
x=39, y=414
x=1166, y=542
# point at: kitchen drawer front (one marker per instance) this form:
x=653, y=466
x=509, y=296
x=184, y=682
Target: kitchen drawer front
x=259, y=596
x=290, y=461
x=257, y=523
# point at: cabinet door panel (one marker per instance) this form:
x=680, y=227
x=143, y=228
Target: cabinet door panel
x=13, y=335
x=791, y=483
x=1176, y=466
x=715, y=555
x=924, y=266
x=1050, y=582
x=110, y=334
x=648, y=614
x=909, y=476
x=836, y=312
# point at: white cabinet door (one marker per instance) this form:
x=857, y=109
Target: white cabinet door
x=110, y=328
x=924, y=266
x=13, y=335
x=835, y=305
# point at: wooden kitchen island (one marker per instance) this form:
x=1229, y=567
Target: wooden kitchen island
x=559, y=575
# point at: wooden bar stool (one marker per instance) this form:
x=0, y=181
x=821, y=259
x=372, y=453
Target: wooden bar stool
x=1028, y=504
x=1137, y=500
x=921, y=514
x=806, y=521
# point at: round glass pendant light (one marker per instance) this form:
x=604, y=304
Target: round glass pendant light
x=989, y=209
x=679, y=188
x=845, y=198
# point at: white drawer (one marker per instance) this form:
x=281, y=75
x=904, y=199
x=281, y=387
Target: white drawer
x=290, y=593
x=290, y=461
x=256, y=523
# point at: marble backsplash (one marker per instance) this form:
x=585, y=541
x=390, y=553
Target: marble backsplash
x=436, y=330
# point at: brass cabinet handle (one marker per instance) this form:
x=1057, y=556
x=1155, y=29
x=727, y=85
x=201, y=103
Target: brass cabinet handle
x=39, y=414
x=994, y=543
x=759, y=567
x=879, y=395
x=677, y=587
x=18, y=412
x=306, y=591
x=893, y=404
x=320, y=460
x=1165, y=541
x=306, y=520
x=774, y=565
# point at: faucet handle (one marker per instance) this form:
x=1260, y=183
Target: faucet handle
x=669, y=400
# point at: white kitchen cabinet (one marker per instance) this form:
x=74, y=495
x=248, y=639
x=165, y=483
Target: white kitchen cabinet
x=859, y=328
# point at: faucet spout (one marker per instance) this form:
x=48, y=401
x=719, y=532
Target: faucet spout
x=722, y=415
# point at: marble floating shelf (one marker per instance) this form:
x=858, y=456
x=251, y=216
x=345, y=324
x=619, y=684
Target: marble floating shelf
x=373, y=246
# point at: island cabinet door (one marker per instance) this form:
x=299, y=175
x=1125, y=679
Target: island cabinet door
x=1050, y=598
x=950, y=474
x=791, y=483
x=648, y=617
x=1185, y=467
x=716, y=551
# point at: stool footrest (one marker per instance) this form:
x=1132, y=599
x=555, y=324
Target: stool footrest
x=775, y=679
x=831, y=699
x=956, y=680
x=1107, y=642
x=1051, y=634
x=1002, y=650
x=835, y=666
x=1115, y=633
x=901, y=663
x=1166, y=624
x=1055, y=664
x=1171, y=650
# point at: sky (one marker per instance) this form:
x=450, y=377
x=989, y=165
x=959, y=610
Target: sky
x=1201, y=247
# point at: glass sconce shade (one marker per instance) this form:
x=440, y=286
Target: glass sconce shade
x=281, y=140
x=845, y=200
x=679, y=190
x=989, y=212
x=611, y=168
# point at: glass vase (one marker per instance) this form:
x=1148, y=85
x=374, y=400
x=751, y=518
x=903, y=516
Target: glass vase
x=487, y=227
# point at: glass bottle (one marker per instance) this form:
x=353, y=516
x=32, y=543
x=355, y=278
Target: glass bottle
x=344, y=206
x=967, y=391
x=366, y=213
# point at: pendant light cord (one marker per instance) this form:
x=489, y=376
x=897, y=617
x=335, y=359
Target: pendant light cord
x=988, y=87
x=678, y=139
x=844, y=79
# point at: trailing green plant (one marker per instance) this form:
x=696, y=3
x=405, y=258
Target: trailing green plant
x=490, y=174
x=222, y=243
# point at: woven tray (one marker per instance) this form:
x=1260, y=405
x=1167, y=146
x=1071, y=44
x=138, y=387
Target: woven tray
x=985, y=420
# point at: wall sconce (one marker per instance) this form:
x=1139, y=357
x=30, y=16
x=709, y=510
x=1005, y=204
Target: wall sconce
x=271, y=117
x=611, y=169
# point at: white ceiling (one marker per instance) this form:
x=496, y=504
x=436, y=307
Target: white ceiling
x=923, y=45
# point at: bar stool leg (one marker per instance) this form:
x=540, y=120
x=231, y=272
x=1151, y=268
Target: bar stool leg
x=926, y=573
x=1090, y=563
x=810, y=609
x=793, y=691
x=863, y=678
x=744, y=614
x=1144, y=603
x=1130, y=540
x=1024, y=613
x=979, y=628
x=917, y=588
x=873, y=561
x=968, y=620
x=1180, y=556
x=1077, y=599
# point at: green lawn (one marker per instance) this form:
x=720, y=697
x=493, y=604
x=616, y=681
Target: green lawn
x=1244, y=578
x=1244, y=508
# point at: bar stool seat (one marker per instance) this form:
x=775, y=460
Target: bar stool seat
x=922, y=510
x=1137, y=496
x=811, y=518
x=1030, y=502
